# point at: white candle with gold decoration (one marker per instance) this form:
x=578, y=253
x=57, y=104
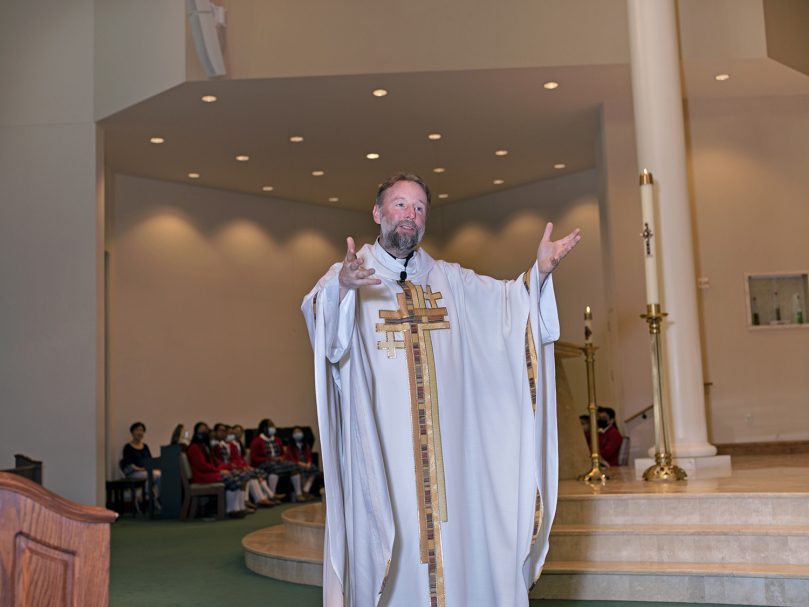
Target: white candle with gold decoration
x=649, y=234
x=588, y=325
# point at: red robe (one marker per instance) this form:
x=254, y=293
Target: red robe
x=236, y=458
x=203, y=469
x=258, y=450
x=609, y=443
x=299, y=457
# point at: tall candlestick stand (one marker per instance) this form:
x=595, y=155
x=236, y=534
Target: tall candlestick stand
x=663, y=469
x=595, y=473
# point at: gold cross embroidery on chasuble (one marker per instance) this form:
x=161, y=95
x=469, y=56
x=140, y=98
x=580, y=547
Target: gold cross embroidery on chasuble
x=409, y=329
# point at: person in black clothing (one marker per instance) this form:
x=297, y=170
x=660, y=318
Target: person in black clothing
x=135, y=456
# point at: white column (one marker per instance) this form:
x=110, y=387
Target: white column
x=660, y=138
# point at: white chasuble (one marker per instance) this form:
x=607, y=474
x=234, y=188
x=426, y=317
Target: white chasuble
x=437, y=414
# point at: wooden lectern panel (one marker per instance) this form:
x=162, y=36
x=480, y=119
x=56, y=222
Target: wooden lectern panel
x=52, y=552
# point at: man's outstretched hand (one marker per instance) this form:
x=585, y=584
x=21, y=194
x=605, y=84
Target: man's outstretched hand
x=550, y=253
x=353, y=274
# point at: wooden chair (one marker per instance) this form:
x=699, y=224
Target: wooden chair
x=116, y=494
x=26, y=467
x=193, y=491
x=53, y=552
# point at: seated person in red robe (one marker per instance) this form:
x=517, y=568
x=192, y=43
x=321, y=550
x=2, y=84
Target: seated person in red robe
x=609, y=437
x=249, y=477
x=203, y=470
x=267, y=453
x=299, y=452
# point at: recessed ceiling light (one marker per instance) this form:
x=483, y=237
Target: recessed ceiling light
x=501, y=153
x=550, y=85
x=157, y=140
x=372, y=156
x=379, y=92
x=334, y=199
x=559, y=165
x=434, y=136
x=208, y=98
x=267, y=188
x=443, y=195
x=722, y=77
x=296, y=139
x=498, y=182
x=318, y=173
x=193, y=175
x=439, y=170
x=242, y=158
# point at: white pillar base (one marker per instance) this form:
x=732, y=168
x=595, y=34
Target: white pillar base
x=716, y=466
x=689, y=450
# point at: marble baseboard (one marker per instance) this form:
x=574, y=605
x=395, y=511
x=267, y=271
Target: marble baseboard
x=713, y=588
x=684, y=509
x=666, y=544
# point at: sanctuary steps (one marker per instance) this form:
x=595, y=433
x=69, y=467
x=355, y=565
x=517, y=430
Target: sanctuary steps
x=740, y=548
x=742, y=540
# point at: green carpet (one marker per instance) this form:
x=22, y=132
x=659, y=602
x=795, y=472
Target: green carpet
x=200, y=563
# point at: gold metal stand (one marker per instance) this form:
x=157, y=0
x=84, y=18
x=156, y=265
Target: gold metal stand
x=663, y=468
x=596, y=473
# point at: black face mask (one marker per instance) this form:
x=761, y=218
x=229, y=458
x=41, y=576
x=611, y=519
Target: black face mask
x=603, y=423
x=203, y=436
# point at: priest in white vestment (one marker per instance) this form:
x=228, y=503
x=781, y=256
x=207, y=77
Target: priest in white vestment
x=436, y=405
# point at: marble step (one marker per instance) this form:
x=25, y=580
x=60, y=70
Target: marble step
x=273, y=553
x=685, y=508
x=735, y=584
x=306, y=525
x=663, y=544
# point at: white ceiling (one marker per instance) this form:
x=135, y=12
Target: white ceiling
x=477, y=112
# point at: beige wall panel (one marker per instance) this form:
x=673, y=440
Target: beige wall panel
x=750, y=190
x=46, y=62
x=48, y=319
x=206, y=288
x=498, y=235
x=276, y=38
x=140, y=51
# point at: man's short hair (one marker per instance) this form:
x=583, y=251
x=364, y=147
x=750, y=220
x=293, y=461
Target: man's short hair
x=137, y=425
x=397, y=177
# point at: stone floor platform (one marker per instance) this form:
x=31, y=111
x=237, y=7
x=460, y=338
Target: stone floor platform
x=742, y=539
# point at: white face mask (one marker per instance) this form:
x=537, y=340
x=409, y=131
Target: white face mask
x=230, y=438
x=271, y=431
x=298, y=436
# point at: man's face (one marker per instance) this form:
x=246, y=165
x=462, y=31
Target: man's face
x=402, y=217
x=220, y=433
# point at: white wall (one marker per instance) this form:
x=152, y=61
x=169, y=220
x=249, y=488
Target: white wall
x=205, y=322
x=50, y=245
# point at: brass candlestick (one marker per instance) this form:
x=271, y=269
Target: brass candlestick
x=663, y=469
x=595, y=473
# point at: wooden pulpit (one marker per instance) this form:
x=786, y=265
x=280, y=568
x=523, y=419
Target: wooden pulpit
x=52, y=551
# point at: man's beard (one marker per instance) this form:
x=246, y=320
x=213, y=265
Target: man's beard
x=395, y=242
